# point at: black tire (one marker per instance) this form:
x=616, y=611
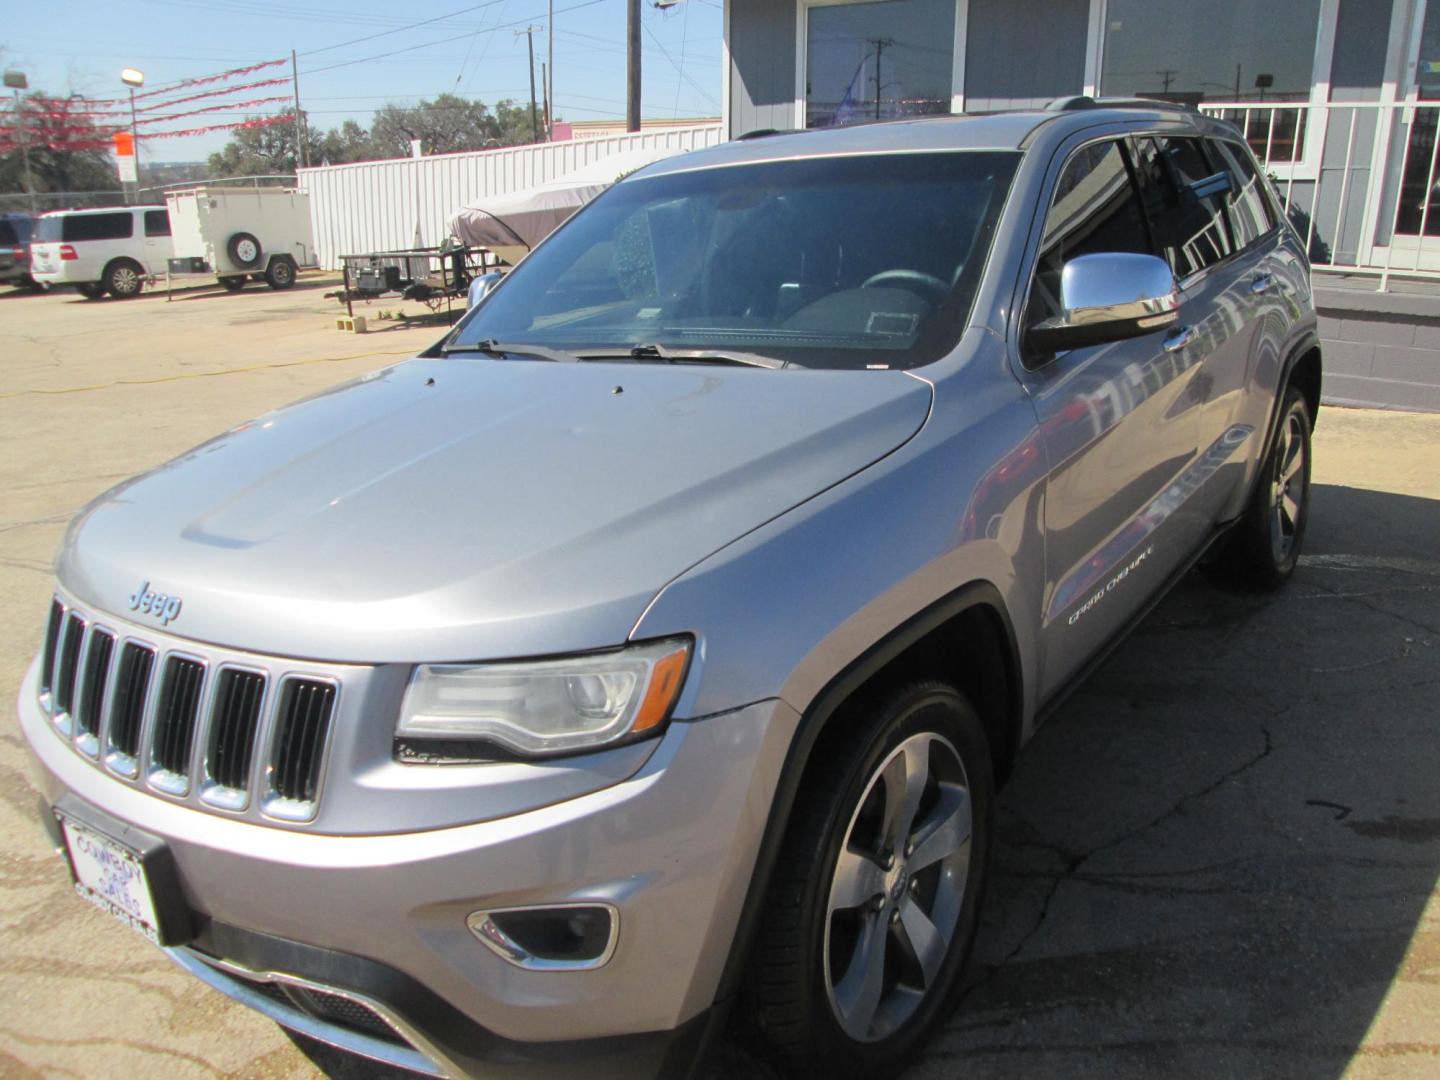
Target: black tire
x=124, y=279
x=1263, y=548
x=233, y=284
x=803, y=998
x=280, y=274
x=91, y=290
x=244, y=250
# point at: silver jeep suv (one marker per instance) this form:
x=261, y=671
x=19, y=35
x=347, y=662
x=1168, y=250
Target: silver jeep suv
x=654, y=644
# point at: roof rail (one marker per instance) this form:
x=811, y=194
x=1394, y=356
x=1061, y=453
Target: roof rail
x=1082, y=101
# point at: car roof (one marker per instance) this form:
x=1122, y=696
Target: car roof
x=102, y=210
x=978, y=131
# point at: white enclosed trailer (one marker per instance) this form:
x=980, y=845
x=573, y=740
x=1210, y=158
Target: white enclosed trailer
x=241, y=233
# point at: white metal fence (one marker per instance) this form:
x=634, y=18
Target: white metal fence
x=404, y=203
x=1358, y=179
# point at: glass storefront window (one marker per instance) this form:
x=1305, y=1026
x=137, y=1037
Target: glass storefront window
x=878, y=61
x=1210, y=50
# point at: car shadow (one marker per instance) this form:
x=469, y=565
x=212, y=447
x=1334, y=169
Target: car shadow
x=1214, y=859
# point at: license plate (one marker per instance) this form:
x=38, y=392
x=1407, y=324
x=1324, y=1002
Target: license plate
x=111, y=876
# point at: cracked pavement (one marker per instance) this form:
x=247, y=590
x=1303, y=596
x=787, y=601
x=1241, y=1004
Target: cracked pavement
x=1219, y=858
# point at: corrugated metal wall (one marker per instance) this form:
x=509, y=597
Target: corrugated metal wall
x=384, y=205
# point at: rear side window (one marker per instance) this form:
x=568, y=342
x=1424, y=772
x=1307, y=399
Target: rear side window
x=117, y=226
x=1095, y=209
x=157, y=223
x=8, y=236
x=1187, y=215
x=1249, y=212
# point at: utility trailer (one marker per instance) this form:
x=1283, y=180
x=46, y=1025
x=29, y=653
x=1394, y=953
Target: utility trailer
x=241, y=234
x=434, y=276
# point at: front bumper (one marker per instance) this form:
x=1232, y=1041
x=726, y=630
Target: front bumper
x=672, y=848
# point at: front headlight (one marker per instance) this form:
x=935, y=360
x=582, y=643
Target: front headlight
x=548, y=706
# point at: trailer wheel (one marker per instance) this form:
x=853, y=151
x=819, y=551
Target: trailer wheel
x=233, y=284
x=244, y=250
x=281, y=272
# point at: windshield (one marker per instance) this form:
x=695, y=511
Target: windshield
x=859, y=262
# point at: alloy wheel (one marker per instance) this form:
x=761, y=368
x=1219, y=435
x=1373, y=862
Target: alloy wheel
x=898, y=887
x=1287, y=488
x=124, y=281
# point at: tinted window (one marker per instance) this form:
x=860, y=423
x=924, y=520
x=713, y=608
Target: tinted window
x=1249, y=212
x=117, y=226
x=1189, y=226
x=157, y=223
x=853, y=262
x=14, y=230
x=1095, y=209
x=8, y=236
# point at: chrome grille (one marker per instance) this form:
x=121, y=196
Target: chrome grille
x=186, y=722
x=304, y=720
x=92, y=687
x=127, y=709
x=235, y=722
x=175, y=716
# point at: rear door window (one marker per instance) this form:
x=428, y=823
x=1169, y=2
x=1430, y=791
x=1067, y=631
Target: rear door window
x=1185, y=201
x=157, y=223
x=1249, y=212
x=116, y=226
x=8, y=235
x=1095, y=209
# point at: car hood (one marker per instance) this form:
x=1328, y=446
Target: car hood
x=467, y=508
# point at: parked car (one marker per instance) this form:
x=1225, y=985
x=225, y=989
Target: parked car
x=15, y=232
x=651, y=647
x=112, y=250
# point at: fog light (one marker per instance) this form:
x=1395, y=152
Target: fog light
x=565, y=937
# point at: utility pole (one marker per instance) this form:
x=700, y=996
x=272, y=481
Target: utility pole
x=17, y=81
x=135, y=141
x=1167, y=76
x=530, y=32
x=550, y=72
x=632, y=67
x=301, y=158
x=545, y=100
x=881, y=44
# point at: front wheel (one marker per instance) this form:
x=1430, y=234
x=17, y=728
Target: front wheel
x=280, y=274
x=875, y=899
x=1264, y=547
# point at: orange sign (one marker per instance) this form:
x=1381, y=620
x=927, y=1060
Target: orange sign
x=124, y=144
x=125, y=160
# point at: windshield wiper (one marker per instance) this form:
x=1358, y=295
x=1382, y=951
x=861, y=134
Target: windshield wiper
x=691, y=356
x=491, y=347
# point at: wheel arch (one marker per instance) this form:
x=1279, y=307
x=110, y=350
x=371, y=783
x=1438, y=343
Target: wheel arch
x=965, y=638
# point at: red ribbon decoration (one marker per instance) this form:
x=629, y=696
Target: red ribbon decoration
x=238, y=125
x=213, y=93
x=205, y=80
x=212, y=108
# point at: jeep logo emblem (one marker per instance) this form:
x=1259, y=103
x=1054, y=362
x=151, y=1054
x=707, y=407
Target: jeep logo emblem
x=148, y=602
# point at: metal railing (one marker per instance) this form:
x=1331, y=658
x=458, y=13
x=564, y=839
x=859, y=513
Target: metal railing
x=1358, y=179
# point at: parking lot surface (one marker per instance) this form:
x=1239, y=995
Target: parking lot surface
x=1218, y=859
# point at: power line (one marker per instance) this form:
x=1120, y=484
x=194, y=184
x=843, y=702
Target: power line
x=680, y=70
x=402, y=29
x=441, y=41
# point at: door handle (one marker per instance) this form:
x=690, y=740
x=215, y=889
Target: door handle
x=1179, y=339
x=1262, y=283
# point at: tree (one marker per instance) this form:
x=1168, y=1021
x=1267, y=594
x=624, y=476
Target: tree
x=67, y=151
x=444, y=126
x=263, y=151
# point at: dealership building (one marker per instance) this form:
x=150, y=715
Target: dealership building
x=1339, y=99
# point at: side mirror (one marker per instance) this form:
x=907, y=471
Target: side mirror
x=1108, y=297
x=482, y=286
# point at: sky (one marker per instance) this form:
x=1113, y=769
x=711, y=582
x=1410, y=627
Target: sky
x=471, y=49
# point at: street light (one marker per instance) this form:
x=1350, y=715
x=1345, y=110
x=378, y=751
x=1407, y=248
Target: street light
x=16, y=80
x=133, y=77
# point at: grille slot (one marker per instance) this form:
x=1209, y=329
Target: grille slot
x=97, y=675
x=52, y=642
x=176, y=713
x=303, y=721
x=234, y=721
x=64, y=693
x=132, y=687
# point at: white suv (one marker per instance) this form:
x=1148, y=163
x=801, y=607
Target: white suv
x=98, y=251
